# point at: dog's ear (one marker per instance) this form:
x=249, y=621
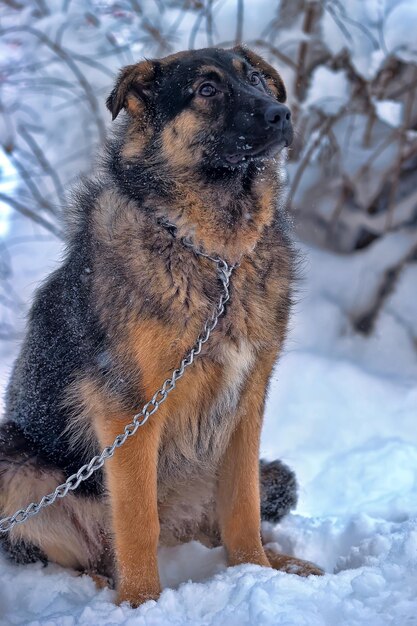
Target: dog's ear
x=133, y=86
x=271, y=75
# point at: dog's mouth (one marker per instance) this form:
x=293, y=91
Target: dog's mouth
x=248, y=152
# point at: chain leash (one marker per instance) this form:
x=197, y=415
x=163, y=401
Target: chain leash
x=224, y=271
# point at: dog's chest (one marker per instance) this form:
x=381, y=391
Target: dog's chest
x=237, y=361
x=200, y=431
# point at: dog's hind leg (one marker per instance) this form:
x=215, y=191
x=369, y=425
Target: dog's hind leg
x=71, y=532
x=292, y=565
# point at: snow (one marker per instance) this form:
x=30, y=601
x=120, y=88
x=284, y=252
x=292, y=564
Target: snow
x=389, y=111
x=371, y=29
x=328, y=90
x=374, y=582
x=400, y=25
x=341, y=412
x=7, y=185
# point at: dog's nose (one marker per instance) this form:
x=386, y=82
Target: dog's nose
x=278, y=116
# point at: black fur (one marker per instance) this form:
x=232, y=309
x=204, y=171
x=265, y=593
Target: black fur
x=63, y=337
x=20, y=552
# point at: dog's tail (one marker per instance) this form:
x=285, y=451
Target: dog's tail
x=279, y=490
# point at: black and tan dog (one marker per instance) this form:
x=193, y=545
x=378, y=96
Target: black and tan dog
x=199, y=145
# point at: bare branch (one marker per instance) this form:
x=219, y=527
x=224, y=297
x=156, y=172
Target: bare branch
x=66, y=57
x=35, y=217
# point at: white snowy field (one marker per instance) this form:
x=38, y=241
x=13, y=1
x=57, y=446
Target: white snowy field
x=342, y=413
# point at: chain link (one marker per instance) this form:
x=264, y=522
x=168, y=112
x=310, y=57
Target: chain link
x=224, y=272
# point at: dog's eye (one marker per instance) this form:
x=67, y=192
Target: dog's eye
x=207, y=90
x=255, y=78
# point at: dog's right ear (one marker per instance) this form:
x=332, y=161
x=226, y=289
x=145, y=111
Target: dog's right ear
x=133, y=85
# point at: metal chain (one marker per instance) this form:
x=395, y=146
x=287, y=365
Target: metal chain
x=224, y=272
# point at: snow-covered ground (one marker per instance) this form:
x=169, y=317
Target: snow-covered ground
x=342, y=413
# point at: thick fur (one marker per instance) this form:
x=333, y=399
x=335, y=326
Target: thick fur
x=128, y=302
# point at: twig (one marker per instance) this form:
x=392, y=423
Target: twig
x=365, y=322
x=65, y=56
x=301, y=76
x=239, y=22
x=398, y=164
x=31, y=185
x=35, y=217
x=43, y=161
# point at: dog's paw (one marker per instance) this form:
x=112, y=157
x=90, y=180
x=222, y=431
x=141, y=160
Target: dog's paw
x=292, y=565
x=136, y=596
x=100, y=581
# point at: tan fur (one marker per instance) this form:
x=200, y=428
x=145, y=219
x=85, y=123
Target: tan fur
x=139, y=134
x=177, y=137
x=291, y=565
x=84, y=401
x=132, y=483
x=197, y=211
x=71, y=532
x=238, y=65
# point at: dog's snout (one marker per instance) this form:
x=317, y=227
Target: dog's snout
x=278, y=116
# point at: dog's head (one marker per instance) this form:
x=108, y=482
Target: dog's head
x=212, y=107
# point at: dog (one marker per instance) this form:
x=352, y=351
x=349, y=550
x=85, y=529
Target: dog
x=196, y=156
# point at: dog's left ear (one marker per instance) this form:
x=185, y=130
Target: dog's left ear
x=271, y=75
x=133, y=88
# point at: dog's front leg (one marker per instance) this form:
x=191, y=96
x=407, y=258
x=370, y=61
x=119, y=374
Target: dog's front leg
x=132, y=482
x=239, y=486
x=238, y=501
